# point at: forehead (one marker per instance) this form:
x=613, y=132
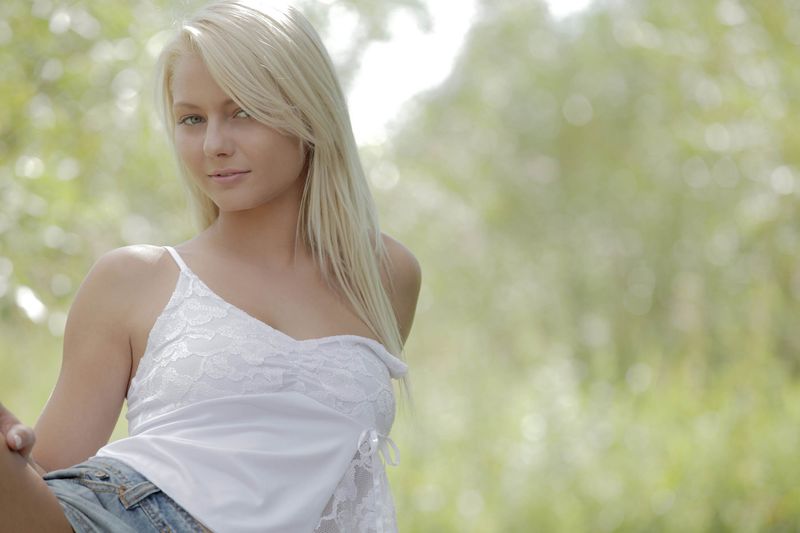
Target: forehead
x=192, y=82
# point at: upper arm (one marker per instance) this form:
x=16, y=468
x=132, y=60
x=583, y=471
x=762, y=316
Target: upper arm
x=85, y=404
x=402, y=277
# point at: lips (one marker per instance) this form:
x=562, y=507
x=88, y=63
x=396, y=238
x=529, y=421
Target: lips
x=226, y=175
x=226, y=172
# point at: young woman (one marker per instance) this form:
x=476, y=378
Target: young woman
x=257, y=357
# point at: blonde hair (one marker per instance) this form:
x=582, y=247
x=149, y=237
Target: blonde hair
x=272, y=62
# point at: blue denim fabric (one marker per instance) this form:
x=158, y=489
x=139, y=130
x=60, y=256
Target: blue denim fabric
x=103, y=495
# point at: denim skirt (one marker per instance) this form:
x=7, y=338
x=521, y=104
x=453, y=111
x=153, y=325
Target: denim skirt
x=103, y=495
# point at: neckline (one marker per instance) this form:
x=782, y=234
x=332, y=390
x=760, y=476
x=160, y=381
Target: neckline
x=184, y=269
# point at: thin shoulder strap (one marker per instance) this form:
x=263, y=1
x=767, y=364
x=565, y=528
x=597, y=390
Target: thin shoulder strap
x=178, y=259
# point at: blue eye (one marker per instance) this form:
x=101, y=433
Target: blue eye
x=190, y=120
x=242, y=114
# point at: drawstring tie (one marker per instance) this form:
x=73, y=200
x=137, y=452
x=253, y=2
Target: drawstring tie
x=378, y=443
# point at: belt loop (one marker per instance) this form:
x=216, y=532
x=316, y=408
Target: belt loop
x=130, y=496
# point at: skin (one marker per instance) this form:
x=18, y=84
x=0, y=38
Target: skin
x=124, y=293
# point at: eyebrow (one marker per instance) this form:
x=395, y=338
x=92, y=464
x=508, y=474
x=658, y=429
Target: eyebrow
x=190, y=105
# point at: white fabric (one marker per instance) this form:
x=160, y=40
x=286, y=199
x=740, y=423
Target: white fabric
x=251, y=430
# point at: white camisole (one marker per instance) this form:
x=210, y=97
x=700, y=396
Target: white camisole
x=251, y=430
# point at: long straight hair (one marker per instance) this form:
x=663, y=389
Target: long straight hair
x=272, y=62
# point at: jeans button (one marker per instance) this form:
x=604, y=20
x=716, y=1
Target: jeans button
x=101, y=475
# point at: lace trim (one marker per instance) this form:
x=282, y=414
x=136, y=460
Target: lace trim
x=362, y=501
x=202, y=347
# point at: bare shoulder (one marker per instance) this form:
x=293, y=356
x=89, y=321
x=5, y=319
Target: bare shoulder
x=403, y=278
x=138, y=258
x=404, y=269
x=118, y=276
x=129, y=264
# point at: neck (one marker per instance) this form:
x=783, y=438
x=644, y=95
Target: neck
x=265, y=236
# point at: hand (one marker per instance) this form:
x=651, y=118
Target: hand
x=18, y=437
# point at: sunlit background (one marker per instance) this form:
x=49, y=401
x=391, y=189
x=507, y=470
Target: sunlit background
x=603, y=197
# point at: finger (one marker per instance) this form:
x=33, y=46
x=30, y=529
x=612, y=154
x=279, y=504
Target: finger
x=14, y=441
x=21, y=439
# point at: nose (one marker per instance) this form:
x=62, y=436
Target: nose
x=217, y=142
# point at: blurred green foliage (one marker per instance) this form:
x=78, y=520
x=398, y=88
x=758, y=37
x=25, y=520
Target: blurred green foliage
x=605, y=209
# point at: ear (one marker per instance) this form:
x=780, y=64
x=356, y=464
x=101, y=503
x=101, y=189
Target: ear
x=308, y=155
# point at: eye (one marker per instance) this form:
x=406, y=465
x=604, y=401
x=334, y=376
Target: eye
x=190, y=120
x=241, y=113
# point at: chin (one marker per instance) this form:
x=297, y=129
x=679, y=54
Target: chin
x=238, y=207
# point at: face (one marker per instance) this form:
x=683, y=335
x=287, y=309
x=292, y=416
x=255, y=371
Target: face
x=237, y=161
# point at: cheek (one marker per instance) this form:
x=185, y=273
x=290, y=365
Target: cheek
x=294, y=155
x=186, y=148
